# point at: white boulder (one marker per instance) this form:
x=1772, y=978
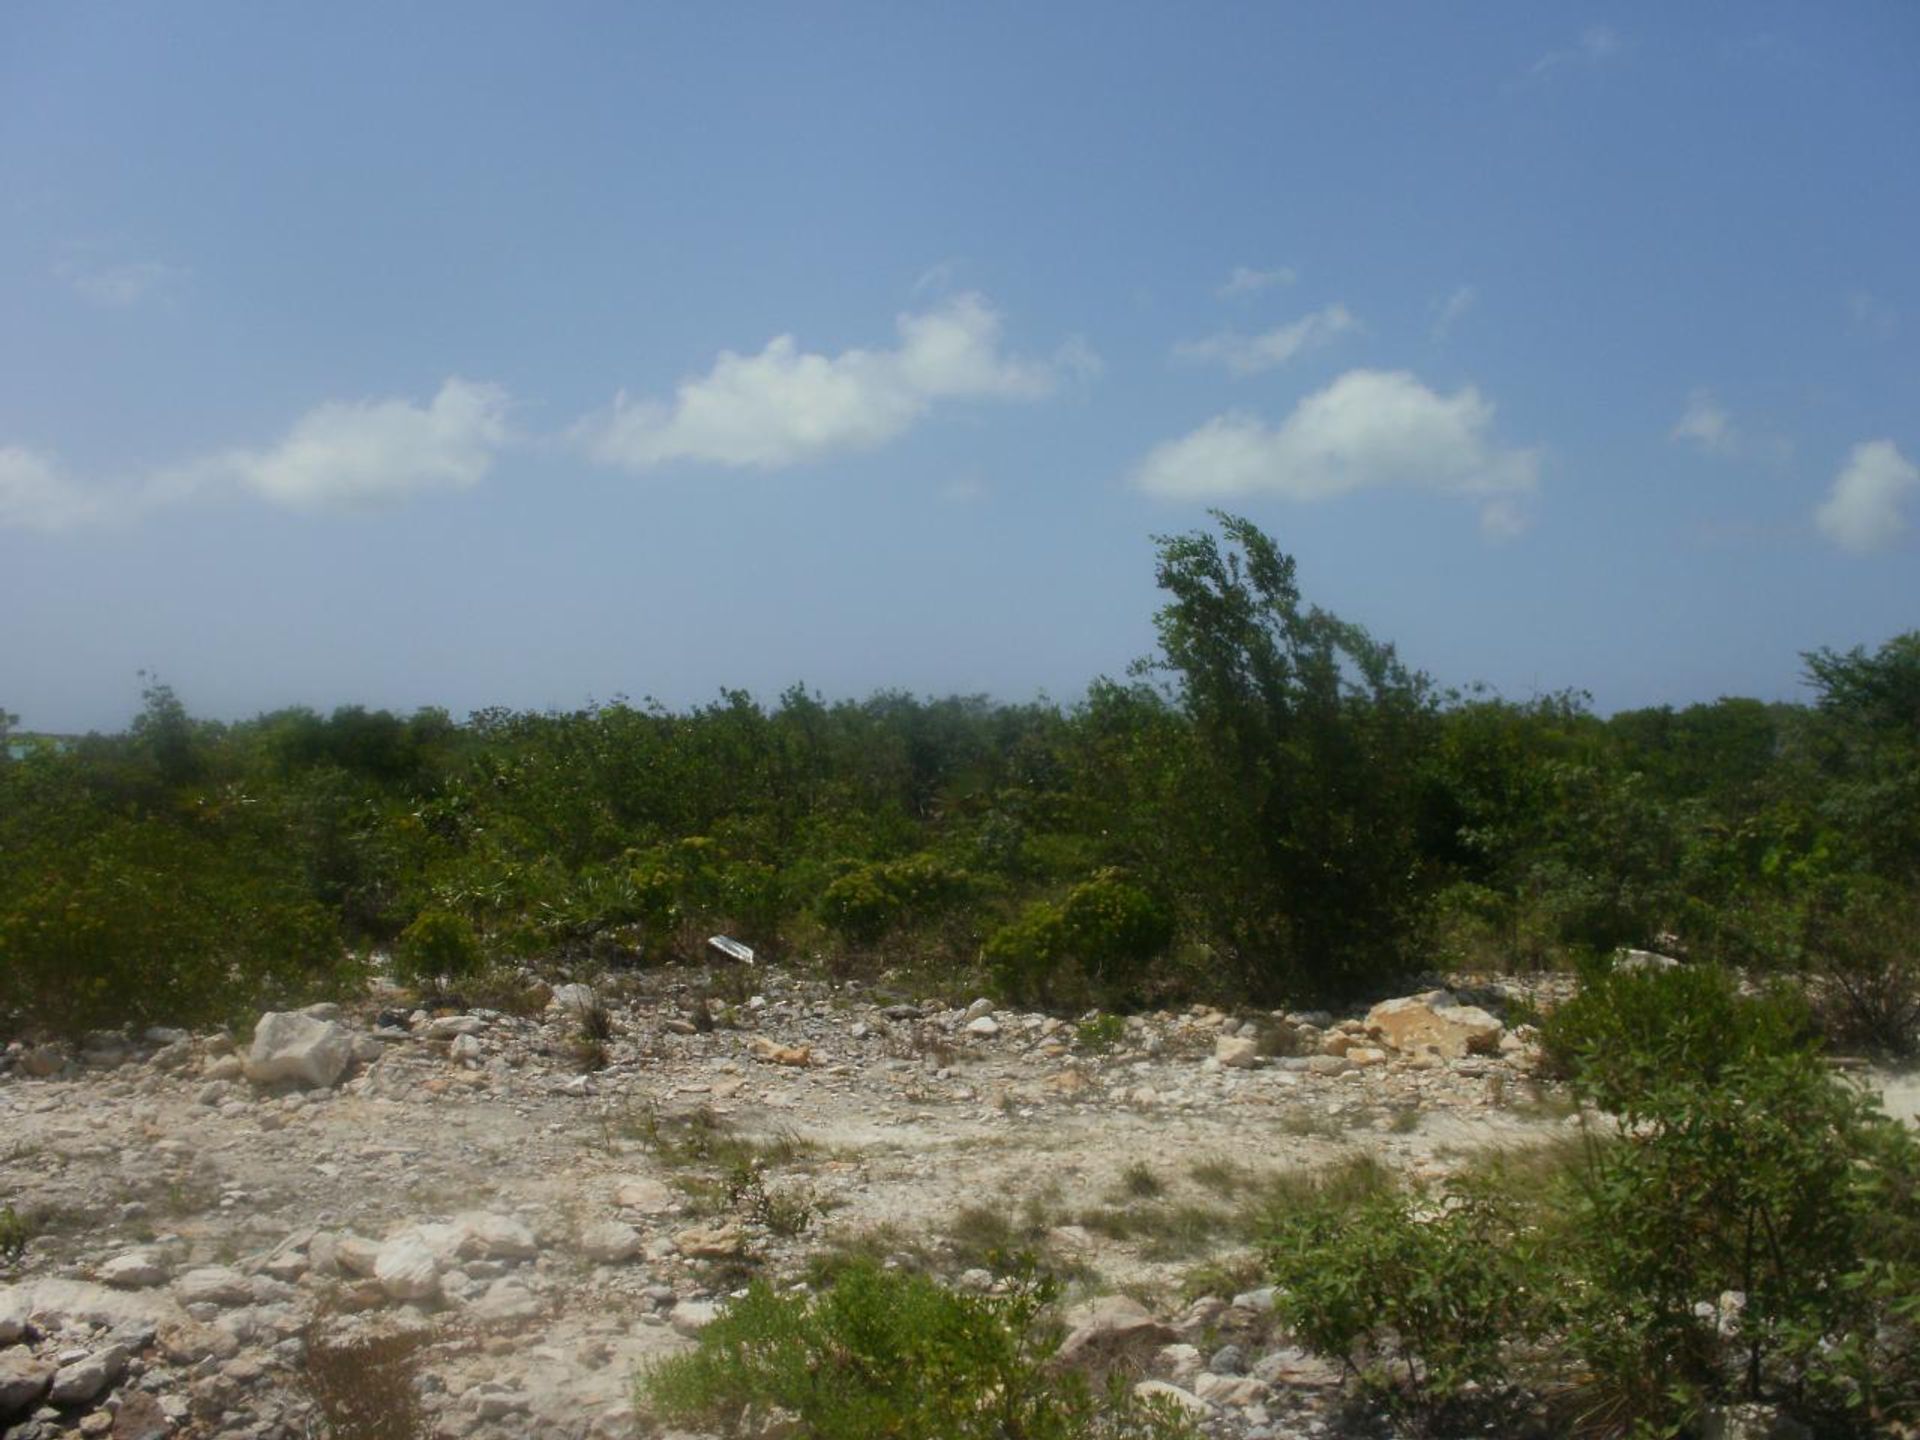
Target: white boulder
x=300, y=1049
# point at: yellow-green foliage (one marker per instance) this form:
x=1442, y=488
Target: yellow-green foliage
x=891, y=1356
x=438, y=946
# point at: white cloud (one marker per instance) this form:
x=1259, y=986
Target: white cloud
x=1452, y=310
x=352, y=454
x=1596, y=44
x=1250, y=354
x=1369, y=429
x=1870, y=315
x=785, y=406
x=1245, y=280
x=116, y=287
x=937, y=277
x=35, y=495
x=1865, y=510
x=1706, y=425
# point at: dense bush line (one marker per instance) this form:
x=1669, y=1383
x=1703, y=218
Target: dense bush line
x=1272, y=807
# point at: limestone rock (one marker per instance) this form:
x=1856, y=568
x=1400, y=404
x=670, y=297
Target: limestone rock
x=356, y=1256
x=407, y=1269
x=295, y=1047
x=140, y=1418
x=85, y=1381
x=1108, y=1327
x=135, y=1270
x=494, y=1237
x=572, y=1000
x=213, y=1285
x=1239, y=1052
x=23, y=1381
x=1434, y=1023
x=609, y=1242
x=770, y=1052
x=716, y=1242
x=649, y=1197
x=690, y=1317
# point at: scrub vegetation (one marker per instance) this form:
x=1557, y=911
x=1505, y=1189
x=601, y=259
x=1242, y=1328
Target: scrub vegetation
x=1272, y=807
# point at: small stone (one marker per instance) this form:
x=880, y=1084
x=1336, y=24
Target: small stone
x=1186, y=1400
x=610, y=1242
x=690, y=1317
x=407, y=1269
x=1237, y=1052
x=84, y=1381
x=1228, y=1360
x=494, y=1237
x=135, y=1270
x=466, y=1047
x=770, y=1052
x=649, y=1197
x=42, y=1061
x=23, y=1381
x=140, y=1418
x=986, y=1027
x=213, y=1285
x=716, y=1242
x=980, y=1009
x=1111, y=1326
x=572, y=1000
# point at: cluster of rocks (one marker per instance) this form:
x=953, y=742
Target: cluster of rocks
x=205, y=1204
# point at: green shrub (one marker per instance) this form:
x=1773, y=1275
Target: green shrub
x=437, y=947
x=1096, y=944
x=1774, y=1182
x=1442, y=1287
x=1023, y=955
x=1629, y=1033
x=891, y=1356
x=867, y=901
x=142, y=921
x=1750, y=1233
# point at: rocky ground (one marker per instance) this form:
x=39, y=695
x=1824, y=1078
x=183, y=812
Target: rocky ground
x=505, y=1215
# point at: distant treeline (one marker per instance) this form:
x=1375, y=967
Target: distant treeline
x=1271, y=807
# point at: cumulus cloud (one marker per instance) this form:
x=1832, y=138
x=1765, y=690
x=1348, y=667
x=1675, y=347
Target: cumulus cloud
x=1250, y=354
x=36, y=495
x=1245, y=280
x=1706, y=425
x=1369, y=429
x=352, y=454
x=1866, y=509
x=1452, y=310
x=786, y=406
x=117, y=286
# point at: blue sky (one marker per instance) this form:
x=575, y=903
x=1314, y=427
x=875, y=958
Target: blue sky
x=483, y=354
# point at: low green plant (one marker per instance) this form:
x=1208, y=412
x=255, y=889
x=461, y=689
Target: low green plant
x=1096, y=943
x=890, y=1356
x=1433, y=1288
x=1100, y=1034
x=784, y=1210
x=1749, y=1231
x=16, y=1233
x=1629, y=1033
x=437, y=948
